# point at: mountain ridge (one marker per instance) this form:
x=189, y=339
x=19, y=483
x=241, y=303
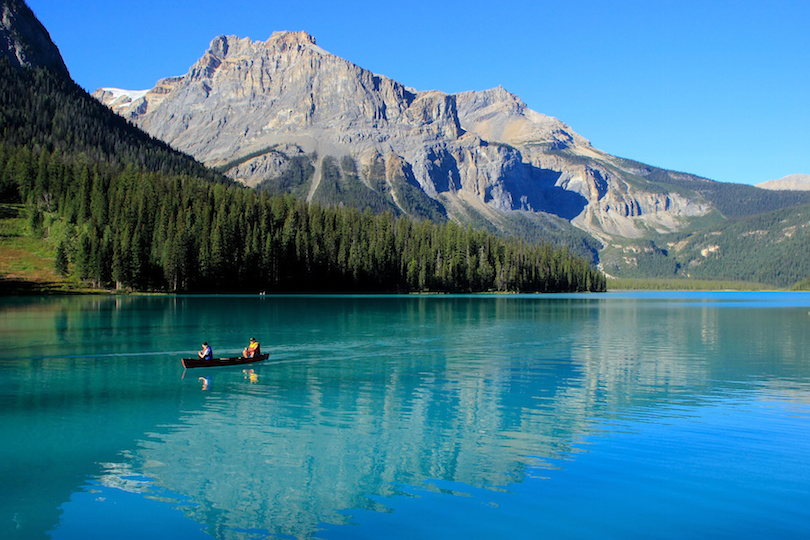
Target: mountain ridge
x=481, y=155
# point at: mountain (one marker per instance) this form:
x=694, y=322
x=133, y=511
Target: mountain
x=24, y=41
x=797, y=182
x=286, y=116
x=250, y=107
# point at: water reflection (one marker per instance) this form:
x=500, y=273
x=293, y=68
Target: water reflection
x=251, y=375
x=369, y=399
x=490, y=391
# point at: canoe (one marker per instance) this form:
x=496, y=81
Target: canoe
x=189, y=363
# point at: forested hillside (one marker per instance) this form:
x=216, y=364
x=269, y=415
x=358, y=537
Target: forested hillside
x=44, y=111
x=771, y=247
x=768, y=248
x=125, y=210
x=756, y=236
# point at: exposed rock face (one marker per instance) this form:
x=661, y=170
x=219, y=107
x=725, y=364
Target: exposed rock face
x=24, y=41
x=796, y=182
x=564, y=175
x=480, y=152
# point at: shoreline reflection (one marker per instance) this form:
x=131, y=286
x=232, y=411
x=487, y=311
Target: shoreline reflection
x=370, y=402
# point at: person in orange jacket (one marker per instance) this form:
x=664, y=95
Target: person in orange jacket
x=252, y=350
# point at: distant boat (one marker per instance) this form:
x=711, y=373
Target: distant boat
x=189, y=363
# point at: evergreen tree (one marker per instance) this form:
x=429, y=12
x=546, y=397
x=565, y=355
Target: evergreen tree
x=61, y=263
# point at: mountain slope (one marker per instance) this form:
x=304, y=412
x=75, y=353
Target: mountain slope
x=768, y=248
x=44, y=109
x=250, y=107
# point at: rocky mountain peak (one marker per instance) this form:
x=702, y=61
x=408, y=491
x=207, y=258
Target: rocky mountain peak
x=494, y=96
x=24, y=41
x=233, y=47
x=291, y=39
x=499, y=115
x=285, y=85
x=250, y=107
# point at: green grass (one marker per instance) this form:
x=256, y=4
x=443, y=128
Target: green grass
x=803, y=285
x=26, y=261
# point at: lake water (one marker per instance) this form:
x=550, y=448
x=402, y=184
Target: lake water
x=619, y=415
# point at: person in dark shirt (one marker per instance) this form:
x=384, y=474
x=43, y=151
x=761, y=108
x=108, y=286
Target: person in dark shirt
x=206, y=353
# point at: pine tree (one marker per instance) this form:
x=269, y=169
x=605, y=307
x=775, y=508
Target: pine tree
x=61, y=262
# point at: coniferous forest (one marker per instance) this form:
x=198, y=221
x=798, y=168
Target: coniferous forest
x=126, y=211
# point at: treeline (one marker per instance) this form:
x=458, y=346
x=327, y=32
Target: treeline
x=683, y=284
x=340, y=185
x=149, y=231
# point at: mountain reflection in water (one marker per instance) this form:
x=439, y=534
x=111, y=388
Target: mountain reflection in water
x=367, y=400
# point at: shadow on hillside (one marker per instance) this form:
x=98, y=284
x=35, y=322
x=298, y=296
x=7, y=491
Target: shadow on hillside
x=520, y=185
x=13, y=286
x=539, y=193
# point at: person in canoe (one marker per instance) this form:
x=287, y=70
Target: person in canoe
x=206, y=353
x=252, y=350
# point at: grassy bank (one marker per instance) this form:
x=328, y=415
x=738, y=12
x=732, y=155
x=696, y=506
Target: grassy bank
x=27, y=261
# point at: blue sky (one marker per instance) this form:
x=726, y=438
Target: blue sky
x=716, y=88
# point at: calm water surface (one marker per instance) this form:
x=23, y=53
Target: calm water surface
x=566, y=416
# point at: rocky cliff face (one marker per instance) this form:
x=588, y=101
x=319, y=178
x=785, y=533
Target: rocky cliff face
x=24, y=41
x=249, y=107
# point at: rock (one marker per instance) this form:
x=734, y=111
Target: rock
x=24, y=41
x=482, y=153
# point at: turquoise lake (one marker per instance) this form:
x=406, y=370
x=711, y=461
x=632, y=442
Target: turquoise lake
x=618, y=415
